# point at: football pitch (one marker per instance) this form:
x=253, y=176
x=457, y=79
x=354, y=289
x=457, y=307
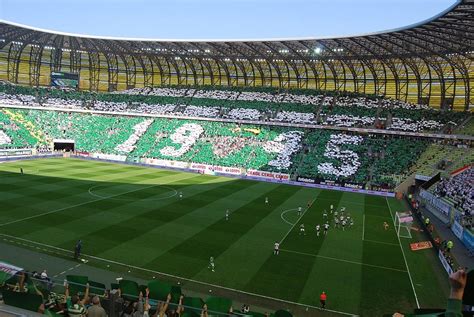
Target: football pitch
x=133, y=217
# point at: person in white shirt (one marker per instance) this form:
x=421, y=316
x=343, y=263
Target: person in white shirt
x=276, y=250
x=302, y=231
x=211, y=264
x=326, y=227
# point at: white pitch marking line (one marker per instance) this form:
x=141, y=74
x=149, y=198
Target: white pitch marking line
x=283, y=218
x=69, y=207
x=183, y=278
x=342, y=260
x=403, y=253
x=286, y=235
x=174, y=193
x=381, y=242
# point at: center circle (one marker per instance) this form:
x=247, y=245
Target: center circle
x=285, y=212
x=147, y=193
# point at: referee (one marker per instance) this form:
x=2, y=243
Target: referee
x=322, y=300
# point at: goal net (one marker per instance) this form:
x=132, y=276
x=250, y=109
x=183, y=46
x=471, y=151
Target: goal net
x=403, y=222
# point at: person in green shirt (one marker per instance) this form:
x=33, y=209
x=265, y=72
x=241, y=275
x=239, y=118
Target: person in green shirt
x=457, y=280
x=76, y=306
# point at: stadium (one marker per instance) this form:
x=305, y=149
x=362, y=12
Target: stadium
x=238, y=177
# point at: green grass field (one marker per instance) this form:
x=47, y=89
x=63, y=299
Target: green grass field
x=133, y=215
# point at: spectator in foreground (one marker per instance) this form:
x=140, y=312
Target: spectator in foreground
x=75, y=306
x=204, y=311
x=457, y=280
x=96, y=310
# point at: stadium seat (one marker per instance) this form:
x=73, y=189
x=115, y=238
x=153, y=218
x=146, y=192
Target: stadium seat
x=193, y=302
x=26, y=301
x=129, y=289
x=282, y=313
x=219, y=304
x=77, y=284
x=159, y=290
x=96, y=288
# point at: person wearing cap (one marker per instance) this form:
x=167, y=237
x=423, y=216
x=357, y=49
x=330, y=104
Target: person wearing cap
x=322, y=299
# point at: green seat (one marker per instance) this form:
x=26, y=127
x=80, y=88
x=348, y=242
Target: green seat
x=142, y=288
x=96, y=288
x=219, y=304
x=175, y=293
x=255, y=314
x=159, y=290
x=282, y=313
x=77, y=283
x=129, y=289
x=193, y=302
x=26, y=301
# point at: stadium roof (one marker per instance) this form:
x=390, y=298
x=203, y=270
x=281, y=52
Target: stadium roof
x=450, y=32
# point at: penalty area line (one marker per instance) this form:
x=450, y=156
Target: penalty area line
x=179, y=277
x=381, y=242
x=346, y=261
x=403, y=253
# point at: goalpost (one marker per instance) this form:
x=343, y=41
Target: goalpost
x=403, y=222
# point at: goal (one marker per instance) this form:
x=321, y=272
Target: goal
x=403, y=222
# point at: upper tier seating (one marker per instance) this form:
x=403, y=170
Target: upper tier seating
x=309, y=107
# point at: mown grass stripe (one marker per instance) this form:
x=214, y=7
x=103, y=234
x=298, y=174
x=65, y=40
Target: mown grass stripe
x=193, y=214
x=396, y=294
x=66, y=192
x=233, y=266
x=133, y=225
x=192, y=255
x=69, y=213
x=294, y=269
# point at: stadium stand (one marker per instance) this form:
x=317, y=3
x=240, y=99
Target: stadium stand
x=459, y=191
x=354, y=111
x=442, y=157
x=318, y=154
x=78, y=294
x=149, y=102
x=17, y=137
